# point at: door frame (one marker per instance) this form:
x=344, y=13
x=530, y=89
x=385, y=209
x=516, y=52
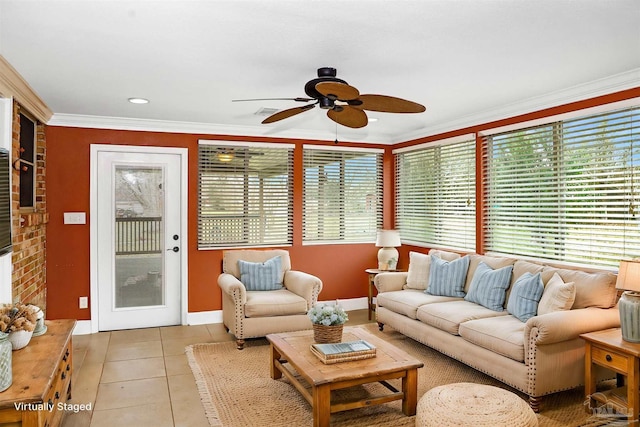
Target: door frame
x=93, y=221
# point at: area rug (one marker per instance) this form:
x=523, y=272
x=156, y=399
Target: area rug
x=237, y=391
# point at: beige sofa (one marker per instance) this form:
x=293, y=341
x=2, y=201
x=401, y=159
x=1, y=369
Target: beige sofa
x=539, y=356
x=256, y=313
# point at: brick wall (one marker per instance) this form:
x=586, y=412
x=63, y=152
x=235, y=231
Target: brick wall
x=29, y=225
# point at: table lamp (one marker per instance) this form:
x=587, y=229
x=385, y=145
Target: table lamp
x=388, y=241
x=629, y=304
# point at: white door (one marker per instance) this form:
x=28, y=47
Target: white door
x=138, y=239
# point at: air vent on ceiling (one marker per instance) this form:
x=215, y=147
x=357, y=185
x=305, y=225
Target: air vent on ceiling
x=266, y=111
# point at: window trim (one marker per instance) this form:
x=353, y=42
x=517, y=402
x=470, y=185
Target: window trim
x=33, y=164
x=575, y=114
x=556, y=123
x=364, y=150
x=459, y=139
x=239, y=144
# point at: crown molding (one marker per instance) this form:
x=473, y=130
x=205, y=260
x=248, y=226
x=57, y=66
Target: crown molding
x=616, y=83
x=612, y=84
x=13, y=85
x=151, y=125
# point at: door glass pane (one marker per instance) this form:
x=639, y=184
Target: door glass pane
x=139, y=249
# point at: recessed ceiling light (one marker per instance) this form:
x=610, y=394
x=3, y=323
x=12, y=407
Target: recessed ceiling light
x=372, y=119
x=138, y=100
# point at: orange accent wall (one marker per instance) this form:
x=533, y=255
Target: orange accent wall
x=340, y=267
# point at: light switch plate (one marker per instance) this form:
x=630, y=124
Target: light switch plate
x=75, y=218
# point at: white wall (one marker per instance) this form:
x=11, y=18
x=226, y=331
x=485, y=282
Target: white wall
x=5, y=141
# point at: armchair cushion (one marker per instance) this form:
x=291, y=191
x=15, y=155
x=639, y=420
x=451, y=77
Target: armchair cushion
x=274, y=303
x=261, y=276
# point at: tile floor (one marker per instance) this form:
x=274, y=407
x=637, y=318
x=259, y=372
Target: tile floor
x=141, y=377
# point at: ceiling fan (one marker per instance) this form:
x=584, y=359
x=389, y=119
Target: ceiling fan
x=344, y=103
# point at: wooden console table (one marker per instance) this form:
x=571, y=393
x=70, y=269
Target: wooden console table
x=41, y=379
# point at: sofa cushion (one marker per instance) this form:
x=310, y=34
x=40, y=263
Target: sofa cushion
x=520, y=267
x=492, y=261
x=448, y=316
x=274, y=303
x=557, y=295
x=525, y=296
x=446, y=278
x=596, y=289
x=503, y=335
x=418, y=275
x=261, y=276
x=408, y=301
x=489, y=286
x=445, y=255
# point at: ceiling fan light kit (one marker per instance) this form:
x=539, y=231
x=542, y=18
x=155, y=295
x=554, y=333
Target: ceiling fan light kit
x=344, y=103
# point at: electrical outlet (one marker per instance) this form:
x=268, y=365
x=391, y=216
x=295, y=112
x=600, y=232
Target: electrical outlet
x=84, y=302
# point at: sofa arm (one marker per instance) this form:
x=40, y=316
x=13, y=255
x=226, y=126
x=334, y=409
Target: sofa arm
x=233, y=287
x=304, y=284
x=561, y=326
x=390, y=281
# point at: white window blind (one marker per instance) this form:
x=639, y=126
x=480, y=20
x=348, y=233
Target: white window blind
x=342, y=195
x=245, y=195
x=566, y=190
x=435, y=195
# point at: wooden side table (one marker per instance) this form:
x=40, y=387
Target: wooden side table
x=608, y=349
x=372, y=272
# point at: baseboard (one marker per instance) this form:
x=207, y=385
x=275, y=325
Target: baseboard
x=204, y=317
x=351, y=303
x=83, y=327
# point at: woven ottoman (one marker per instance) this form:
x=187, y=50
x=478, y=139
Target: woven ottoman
x=468, y=404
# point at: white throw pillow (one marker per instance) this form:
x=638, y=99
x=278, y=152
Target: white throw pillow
x=557, y=295
x=418, y=275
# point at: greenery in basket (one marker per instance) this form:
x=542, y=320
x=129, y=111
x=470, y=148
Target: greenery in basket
x=17, y=317
x=327, y=315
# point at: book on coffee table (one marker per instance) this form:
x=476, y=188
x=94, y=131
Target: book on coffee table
x=343, y=351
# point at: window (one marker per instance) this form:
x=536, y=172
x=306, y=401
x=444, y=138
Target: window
x=566, y=190
x=245, y=194
x=342, y=194
x=435, y=193
x=5, y=202
x=27, y=161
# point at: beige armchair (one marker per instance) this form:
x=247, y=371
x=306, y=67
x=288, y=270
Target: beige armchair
x=256, y=313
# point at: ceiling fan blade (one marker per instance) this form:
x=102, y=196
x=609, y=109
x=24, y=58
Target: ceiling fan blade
x=386, y=104
x=348, y=116
x=280, y=115
x=275, y=99
x=335, y=90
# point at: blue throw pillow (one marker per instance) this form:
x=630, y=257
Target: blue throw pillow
x=447, y=278
x=261, y=276
x=525, y=296
x=489, y=287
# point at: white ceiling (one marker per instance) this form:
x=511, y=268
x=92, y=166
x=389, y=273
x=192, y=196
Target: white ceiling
x=467, y=61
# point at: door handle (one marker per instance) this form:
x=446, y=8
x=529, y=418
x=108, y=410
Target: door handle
x=174, y=249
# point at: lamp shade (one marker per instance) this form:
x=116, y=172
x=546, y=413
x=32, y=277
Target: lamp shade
x=629, y=276
x=388, y=239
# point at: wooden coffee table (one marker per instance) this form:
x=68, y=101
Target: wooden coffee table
x=389, y=363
